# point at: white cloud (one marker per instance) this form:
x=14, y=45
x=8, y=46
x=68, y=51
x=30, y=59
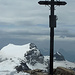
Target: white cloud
x=43, y=38
x=63, y=38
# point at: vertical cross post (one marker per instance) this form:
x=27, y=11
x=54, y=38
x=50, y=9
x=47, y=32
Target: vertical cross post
x=52, y=24
x=51, y=37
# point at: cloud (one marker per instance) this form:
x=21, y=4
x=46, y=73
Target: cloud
x=26, y=21
x=24, y=31
x=21, y=10
x=65, y=30
x=66, y=13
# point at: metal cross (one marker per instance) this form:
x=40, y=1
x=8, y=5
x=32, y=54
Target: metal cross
x=52, y=24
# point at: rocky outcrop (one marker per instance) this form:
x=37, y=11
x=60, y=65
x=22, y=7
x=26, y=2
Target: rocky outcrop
x=22, y=67
x=32, y=45
x=57, y=71
x=63, y=71
x=36, y=72
x=34, y=55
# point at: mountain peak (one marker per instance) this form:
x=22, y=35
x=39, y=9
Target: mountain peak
x=58, y=56
x=12, y=50
x=34, y=55
x=58, y=53
x=32, y=45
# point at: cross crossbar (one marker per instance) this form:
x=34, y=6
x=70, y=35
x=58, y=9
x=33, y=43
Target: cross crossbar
x=52, y=24
x=52, y=3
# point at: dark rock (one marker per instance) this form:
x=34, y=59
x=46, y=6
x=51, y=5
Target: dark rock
x=32, y=45
x=18, y=68
x=59, y=57
x=22, y=67
x=36, y=72
x=63, y=71
x=34, y=55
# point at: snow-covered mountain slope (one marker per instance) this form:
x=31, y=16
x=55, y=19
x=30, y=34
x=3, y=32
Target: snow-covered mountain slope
x=26, y=57
x=11, y=56
x=60, y=61
x=65, y=64
x=14, y=50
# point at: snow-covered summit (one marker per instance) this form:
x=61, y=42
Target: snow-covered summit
x=20, y=56
x=27, y=53
x=12, y=50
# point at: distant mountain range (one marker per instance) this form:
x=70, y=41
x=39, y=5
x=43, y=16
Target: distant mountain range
x=14, y=59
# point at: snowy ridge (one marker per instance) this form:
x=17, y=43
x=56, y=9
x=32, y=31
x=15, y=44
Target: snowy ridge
x=12, y=50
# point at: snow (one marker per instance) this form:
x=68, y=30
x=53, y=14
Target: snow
x=65, y=64
x=12, y=73
x=7, y=67
x=58, y=53
x=46, y=57
x=12, y=50
x=9, y=64
x=11, y=55
x=37, y=66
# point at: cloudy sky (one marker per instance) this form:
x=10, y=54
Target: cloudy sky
x=24, y=21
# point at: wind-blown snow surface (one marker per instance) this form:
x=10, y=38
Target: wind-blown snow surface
x=12, y=55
